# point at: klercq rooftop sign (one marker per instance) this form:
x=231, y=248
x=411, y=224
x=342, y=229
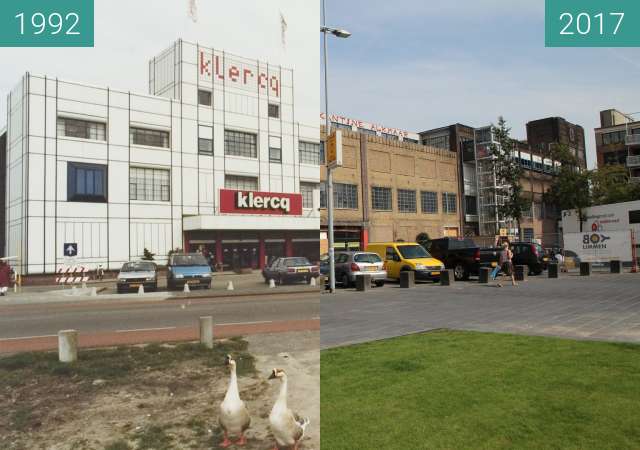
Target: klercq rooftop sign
x=253, y=202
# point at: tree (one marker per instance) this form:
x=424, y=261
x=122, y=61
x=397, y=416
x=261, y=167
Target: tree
x=148, y=256
x=610, y=184
x=508, y=172
x=570, y=188
x=423, y=239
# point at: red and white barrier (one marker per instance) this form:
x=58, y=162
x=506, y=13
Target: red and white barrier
x=72, y=275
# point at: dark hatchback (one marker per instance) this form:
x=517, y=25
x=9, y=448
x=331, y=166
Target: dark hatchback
x=531, y=255
x=288, y=270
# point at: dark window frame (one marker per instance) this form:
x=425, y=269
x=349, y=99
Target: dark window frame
x=72, y=174
x=273, y=111
x=209, y=95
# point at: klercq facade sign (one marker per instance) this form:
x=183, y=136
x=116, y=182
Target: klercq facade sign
x=252, y=202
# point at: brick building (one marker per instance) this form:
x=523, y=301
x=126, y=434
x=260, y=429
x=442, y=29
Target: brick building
x=618, y=141
x=390, y=188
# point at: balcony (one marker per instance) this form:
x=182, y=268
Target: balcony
x=633, y=161
x=635, y=179
x=633, y=139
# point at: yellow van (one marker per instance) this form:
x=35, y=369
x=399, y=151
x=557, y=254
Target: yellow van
x=401, y=256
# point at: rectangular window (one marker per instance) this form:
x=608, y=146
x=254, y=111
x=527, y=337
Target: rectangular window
x=237, y=143
x=449, y=203
x=149, y=184
x=274, y=111
x=381, y=199
x=634, y=216
x=306, y=189
x=240, y=183
x=406, y=201
x=205, y=146
x=323, y=195
x=527, y=234
x=275, y=149
x=345, y=196
x=429, y=202
x=82, y=129
x=471, y=205
x=322, y=157
x=204, y=97
x=437, y=142
x=528, y=213
x=149, y=138
x=86, y=183
x=309, y=153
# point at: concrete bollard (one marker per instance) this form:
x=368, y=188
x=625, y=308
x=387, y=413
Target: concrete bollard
x=272, y=283
x=141, y=290
x=585, y=269
x=363, y=283
x=553, y=270
x=446, y=277
x=74, y=291
x=94, y=292
x=520, y=273
x=186, y=289
x=84, y=285
x=483, y=275
x=616, y=266
x=313, y=282
x=206, y=331
x=68, y=346
x=407, y=279
x=230, y=286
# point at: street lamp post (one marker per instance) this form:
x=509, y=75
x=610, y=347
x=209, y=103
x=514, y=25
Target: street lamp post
x=341, y=34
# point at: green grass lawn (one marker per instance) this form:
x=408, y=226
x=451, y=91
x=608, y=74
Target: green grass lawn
x=464, y=390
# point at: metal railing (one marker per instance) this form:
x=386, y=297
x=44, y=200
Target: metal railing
x=633, y=161
x=633, y=139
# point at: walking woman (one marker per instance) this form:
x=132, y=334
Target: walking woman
x=505, y=265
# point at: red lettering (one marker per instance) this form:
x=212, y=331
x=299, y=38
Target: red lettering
x=234, y=73
x=218, y=71
x=262, y=78
x=274, y=84
x=247, y=72
x=204, y=65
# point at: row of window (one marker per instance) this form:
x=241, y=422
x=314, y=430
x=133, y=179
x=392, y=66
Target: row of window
x=88, y=183
x=205, y=98
x=345, y=196
x=236, y=143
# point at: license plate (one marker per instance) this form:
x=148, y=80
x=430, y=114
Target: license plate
x=303, y=270
x=193, y=282
x=372, y=269
x=435, y=273
x=493, y=264
x=134, y=285
x=545, y=259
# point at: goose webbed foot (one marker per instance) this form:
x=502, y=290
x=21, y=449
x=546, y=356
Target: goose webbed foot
x=226, y=443
x=242, y=441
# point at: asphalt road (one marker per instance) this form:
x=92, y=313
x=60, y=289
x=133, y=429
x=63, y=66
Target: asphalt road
x=27, y=321
x=602, y=307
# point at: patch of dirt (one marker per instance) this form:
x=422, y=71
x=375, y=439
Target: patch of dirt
x=151, y=407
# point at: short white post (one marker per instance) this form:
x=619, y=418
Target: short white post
x=272, y=283
x=141, y=290
x=15, y=287
x=313, y=282
x=74, y=290
x=68, y=346
x=94, y=292
x=84, y=285
x=206, y=331
x=230, y=286
x=186, y=288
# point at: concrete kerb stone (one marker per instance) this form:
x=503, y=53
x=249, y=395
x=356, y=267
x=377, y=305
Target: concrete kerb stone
x=363, y=283
x=407, y=279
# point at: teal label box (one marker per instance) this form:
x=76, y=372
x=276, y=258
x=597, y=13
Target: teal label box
x=46, y=23
x=592, y=23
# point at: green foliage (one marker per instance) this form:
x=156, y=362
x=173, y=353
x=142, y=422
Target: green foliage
x=610, y=184
x=508, y=173
x=148, y=256
x=423, y=239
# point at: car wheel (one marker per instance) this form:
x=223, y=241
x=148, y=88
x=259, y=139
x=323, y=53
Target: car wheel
x=346, y=283
x=379, y=283
x=459, y=272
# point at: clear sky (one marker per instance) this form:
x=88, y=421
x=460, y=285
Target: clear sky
x=422, y=64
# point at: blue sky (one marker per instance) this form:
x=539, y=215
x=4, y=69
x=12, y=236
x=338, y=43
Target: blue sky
x=421, y=64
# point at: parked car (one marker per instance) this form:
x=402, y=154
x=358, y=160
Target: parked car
x=351, y=264
x=463, y=256
x=286, y=270
x=531, y=255
x=135, y=274
x=188, y=268
x=403, y=256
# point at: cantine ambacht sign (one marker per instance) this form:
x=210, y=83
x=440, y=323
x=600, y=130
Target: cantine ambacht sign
x=252, y=202
x=236, y=72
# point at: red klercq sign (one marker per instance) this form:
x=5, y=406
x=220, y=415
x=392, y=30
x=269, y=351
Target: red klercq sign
x=252, y=202
x=251, y=77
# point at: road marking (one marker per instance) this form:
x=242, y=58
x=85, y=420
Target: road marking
x=29, y=337
x=145, y=329
x=246, y=323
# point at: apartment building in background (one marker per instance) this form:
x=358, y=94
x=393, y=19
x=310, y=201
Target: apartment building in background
x=618, y=142
x=218, y=155
x=390, y=188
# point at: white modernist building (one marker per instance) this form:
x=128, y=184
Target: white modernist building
x=213, y=156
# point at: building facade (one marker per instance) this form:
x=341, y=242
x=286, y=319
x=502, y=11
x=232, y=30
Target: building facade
x=213, y=157
x=618, y=142
x=390, y=189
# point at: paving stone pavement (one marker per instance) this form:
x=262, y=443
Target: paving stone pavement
x=600, y=307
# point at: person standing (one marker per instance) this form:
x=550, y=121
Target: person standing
x=505, y=264
x=5, y=277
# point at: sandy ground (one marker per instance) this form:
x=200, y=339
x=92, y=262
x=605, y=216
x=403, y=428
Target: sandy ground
x=164, y=410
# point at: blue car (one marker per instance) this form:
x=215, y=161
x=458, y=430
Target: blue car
x=188, y=268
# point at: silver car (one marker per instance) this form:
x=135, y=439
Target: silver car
x=136, y=274
x=351, y=264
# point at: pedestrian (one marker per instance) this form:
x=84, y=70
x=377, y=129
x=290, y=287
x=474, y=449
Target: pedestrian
x=5, y=277
x=505, y=265
x=560, y=258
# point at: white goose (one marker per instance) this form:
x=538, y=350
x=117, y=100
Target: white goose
x=234, y=416
x=287, y=428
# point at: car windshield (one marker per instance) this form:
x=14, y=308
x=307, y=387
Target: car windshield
x=138, y=267
x=371, y=258
x=188, y=260
x=296, y=262
x=413, y=251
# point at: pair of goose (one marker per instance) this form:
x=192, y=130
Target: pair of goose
x=287, y=428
